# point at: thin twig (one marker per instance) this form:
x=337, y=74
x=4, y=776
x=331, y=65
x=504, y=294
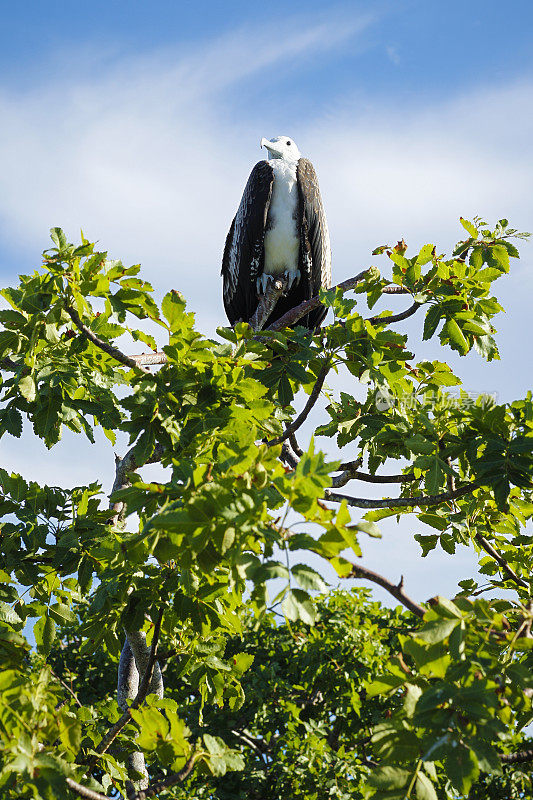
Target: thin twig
x=396, y=590
x=396, y=317
x=400, y=502
x=67, y=687
x=501, y=561
x=115, y=729
x=170, y=780
x=110, y=349
x=302, y=416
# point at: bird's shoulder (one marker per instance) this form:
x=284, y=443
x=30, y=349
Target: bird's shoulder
x=262, y=171
x=306, y=172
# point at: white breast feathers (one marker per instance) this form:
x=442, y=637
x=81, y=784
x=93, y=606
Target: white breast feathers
x=282, y=243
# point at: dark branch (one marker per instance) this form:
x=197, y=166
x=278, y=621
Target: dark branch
x=349, y=474
x=111, y=350
x=267, y=302
x=400, y=502
x=295, y=446
x=115, y=729
x=351, y=465
x=288, y=457
x=488, y=548
x=396, y=317
x=304, y=308
x=396, y=590
x=170, y=780
x=313, y=397
x=516, y=758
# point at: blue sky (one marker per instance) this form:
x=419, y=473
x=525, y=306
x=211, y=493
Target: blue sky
x=438, y=45
x=139, y=122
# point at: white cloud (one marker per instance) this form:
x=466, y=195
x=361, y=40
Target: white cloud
x=151, y=159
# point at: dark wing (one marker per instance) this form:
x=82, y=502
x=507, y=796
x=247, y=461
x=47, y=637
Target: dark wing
x=315, y=249
x=244, y=253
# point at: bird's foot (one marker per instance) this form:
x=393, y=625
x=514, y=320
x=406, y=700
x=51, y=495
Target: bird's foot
x=262, y=283
x=292, y=276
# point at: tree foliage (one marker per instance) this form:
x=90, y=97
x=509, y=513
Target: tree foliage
x=343, y=698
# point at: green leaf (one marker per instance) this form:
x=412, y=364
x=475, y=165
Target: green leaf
x=469, y=227
x=431, y=322
x=58, y=237
x=309, y=578
x=242, y=662
x=173, y=308
x=424, y=788
x=44, y=631
x=454, y=333
x=388, y=778
x=298, y=605
x=61, y=613
x=426, y=254
x=461, y=767
x=11, y=419
x=27, y=388
x=437, y=630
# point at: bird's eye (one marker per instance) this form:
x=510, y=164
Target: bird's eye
x=288, y=142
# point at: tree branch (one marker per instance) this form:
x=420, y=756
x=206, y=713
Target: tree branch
x=83, y=791
x=267, y=302
x=302, y=416
x=111, y=350
x=115, y=729
x=349, y=474
x=393, y=289
x=488, y=548
x=295, y=446
x=296, y=313
x=128, y=464
x=288, y=457
x=400, y=502
x=516, y=758
x=150, y=359
x=396, y=317
x=170, y=780
x=396, y=590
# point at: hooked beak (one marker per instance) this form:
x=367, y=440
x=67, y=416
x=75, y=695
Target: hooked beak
x=270, y=147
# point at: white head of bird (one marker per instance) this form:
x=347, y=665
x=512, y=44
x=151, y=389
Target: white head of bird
x=282, y=147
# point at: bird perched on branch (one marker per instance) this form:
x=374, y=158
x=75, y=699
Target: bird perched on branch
x=280, y=230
